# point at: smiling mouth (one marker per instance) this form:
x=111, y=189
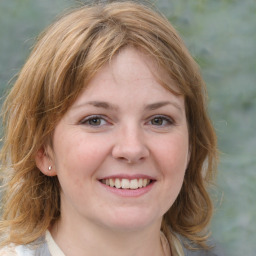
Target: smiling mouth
x=126, y=183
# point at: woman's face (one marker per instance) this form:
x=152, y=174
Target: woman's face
x=121, y=150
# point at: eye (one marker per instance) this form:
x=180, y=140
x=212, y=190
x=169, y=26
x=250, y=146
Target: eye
x=161, y=121
x=94, y=121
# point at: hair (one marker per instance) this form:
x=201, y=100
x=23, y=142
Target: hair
x=67, y=55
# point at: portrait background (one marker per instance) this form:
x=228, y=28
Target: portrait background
x=221, y=35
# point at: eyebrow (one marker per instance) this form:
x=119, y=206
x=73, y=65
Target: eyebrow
x=99, y=104
x=153, y=106
x=158, y=105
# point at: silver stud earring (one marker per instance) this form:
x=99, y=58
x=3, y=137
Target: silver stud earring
x=50, y=168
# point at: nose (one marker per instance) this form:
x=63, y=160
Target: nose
x=130, y=146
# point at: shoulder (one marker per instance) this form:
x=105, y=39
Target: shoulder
x=215, y=250
x=9, y=250
x=19, y=250
x=200, y=253
x=36, y=248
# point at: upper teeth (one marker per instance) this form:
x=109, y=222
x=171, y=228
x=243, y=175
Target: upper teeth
x=126, y=184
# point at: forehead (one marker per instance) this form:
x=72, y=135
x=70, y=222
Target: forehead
x=129, y=77
x=132, y=65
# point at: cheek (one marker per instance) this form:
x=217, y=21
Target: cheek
x=171, y=159
x=173, y=153
x=79, y=155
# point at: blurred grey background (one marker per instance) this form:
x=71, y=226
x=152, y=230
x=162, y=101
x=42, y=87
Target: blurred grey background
x=221, y=35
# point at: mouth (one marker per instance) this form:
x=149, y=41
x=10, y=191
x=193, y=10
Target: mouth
x=127, y=183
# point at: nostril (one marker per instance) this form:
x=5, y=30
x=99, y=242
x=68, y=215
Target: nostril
x=130, y=154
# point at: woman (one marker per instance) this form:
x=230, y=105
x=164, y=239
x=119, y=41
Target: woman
x=108, y=148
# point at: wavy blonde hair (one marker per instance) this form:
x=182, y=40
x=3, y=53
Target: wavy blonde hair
x=67, y=55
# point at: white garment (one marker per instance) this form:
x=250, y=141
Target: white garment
x=53, y=247
x=47, y=246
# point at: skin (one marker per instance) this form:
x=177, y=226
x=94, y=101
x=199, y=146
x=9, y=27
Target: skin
x=125, y=124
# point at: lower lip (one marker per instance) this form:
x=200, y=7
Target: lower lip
x=129, y=192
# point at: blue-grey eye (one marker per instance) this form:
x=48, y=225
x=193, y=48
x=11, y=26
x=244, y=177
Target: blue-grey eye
x=161, y=121
x=94, y=121
x=157, y=121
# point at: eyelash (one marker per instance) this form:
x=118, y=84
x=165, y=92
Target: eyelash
x=86, y=121
x=167, y=119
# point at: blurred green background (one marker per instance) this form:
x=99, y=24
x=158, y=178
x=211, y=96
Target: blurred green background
x=221, y=35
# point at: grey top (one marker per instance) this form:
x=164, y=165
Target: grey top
x=216, y=251
x=40, y=248
x=200, y=253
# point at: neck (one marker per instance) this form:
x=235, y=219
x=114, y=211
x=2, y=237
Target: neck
x=74, y=239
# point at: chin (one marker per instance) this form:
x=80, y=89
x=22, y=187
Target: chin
x=129, y=221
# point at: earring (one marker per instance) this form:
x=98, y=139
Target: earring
x=50, y=168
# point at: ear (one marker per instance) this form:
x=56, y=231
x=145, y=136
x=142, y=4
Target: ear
x=44, y=162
